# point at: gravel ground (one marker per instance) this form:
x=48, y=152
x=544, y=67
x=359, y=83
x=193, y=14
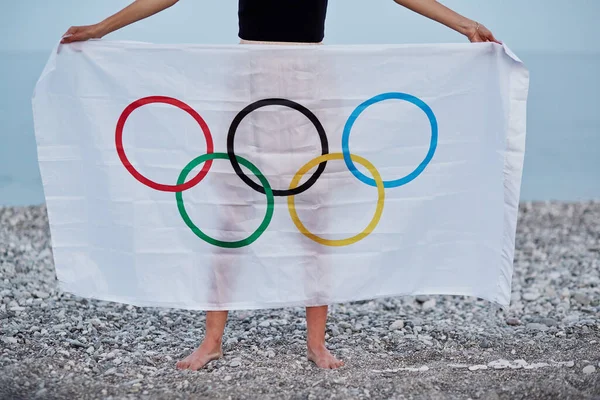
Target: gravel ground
x=546, y=345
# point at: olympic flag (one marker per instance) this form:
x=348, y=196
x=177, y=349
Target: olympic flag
x=260, y=176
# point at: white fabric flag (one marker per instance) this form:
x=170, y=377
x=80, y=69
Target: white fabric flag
x=260, y=176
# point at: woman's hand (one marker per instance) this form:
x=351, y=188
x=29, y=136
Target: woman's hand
x=474, y=31
x=81, y=33
x=479, y=33
x=136, y=11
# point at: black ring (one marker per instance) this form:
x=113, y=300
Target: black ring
x=276, y=102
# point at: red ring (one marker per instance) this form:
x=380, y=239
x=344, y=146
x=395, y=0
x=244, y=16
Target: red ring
x=174, y=102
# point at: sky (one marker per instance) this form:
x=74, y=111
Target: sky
x=524, y=25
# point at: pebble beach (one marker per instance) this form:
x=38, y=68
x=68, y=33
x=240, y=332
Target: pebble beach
x=54, y=345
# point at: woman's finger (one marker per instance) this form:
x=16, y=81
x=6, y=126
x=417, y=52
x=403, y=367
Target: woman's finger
x=76, y=37
x=68, y=38
x=67, y=34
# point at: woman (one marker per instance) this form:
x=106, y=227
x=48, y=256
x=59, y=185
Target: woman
x=275, y=21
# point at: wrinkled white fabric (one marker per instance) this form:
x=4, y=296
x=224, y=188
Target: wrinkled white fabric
x=449, y=212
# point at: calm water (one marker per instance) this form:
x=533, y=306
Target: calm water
x=562, y=160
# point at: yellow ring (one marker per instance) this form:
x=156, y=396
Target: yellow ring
x=378, y=211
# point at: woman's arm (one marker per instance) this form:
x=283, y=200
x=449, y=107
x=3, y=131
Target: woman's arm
x=474, y=31
x=136, y=11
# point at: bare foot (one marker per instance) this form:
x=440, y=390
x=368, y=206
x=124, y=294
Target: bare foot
x=204, y=354
x=323, y=358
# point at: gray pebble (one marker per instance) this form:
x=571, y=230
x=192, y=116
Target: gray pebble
x=534, y=326
x=429, y=304
x=590, y=369
x=399, y=324
x=582, y=298
x=421, y=298
x=76, y=343
x=345, y=325
x=531, y=296
x=548, y=321
x=40, y=294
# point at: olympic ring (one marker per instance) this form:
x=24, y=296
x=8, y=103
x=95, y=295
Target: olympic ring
x=279, y=102
x=386, y=96
x=320, y=162
x=240, y=243
x=378, y=211
x=174, y=102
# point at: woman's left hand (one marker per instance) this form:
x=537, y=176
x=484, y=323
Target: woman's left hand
x=479, y=33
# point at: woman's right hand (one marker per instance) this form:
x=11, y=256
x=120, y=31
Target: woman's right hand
x=81, y=33
x=136, y=11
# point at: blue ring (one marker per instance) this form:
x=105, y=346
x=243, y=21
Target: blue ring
x=387, y=96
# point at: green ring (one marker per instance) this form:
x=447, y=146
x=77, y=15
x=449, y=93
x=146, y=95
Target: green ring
x=186, y=218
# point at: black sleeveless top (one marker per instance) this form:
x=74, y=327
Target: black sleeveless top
x=282, y=20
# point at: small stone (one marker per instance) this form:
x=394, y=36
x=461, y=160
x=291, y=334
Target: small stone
x=548, y=321
x=477, y=367
x=531, y=296
x=399, y=324
x=76, y=343
x=117, y=361
x=344, y=325
x=335, y=331
x=231, y=341
x=270, y=353
x=534, y=326
x=265, y=324
x=570, y=319
x=567, y=364
x=10, y=340
x=236, y=362
x=41, y=294
x=485, y=344
x=582, y=298
x=429, y=304
x=590, y=369
x=90, y=350
x=513, y=321
x=422, y=298
x=536, y=365
x=499, y=364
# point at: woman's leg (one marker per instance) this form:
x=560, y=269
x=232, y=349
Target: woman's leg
x=210, y=349
x=225, y=267
x=316, y=319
